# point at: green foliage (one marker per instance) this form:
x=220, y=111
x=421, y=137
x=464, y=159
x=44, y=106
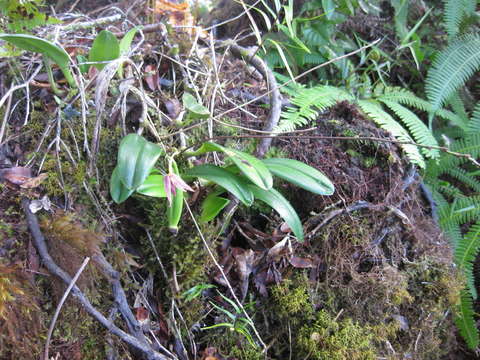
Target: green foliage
x=455, y=187
x=135, y=172
x=455, y=12
x=452, y=68
x=465, y=322
x=22, y=16
x=236, y=321
x=309, y=38
x=51, y=51
x=310, y=102
x=105, y=47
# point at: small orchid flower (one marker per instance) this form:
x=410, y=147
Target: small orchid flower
x=172, y=182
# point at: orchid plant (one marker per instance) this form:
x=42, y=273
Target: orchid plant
x=247, y=178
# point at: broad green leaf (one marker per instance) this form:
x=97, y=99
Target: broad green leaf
x=136, y=157
x=281, y=205
x=252, y=168
x=153, y=186
x=211, y=207
x=35, y=44
x=301, y=175
x=225, y=179
x=105, y=47
x=118, y=191
x=192, y=105
x=249, y=165
x=126, y=41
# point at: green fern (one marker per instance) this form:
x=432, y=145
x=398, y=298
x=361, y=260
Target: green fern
x=455, y=12
x=474, y=123
x=465, y=321
x=418, y=129
x=452, y=68
x=384, y=120
x=405, y=97
x=309, y=102
x=465, y=254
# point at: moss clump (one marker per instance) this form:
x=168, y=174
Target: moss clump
x=330, y=339
x=246, y=353
x=292, y=300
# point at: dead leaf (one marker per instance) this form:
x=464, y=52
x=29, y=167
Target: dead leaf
x=278, y=250
x=301, y=263
x=34, y=182
x=173, y=107
x=244, y=262
x=151, y=77
x=17, y=175
x=142, y=315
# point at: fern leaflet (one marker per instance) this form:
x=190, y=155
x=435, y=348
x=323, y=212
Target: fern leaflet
x=452, y=68
x=465, y=321
x=418, y=129
x=385, y=121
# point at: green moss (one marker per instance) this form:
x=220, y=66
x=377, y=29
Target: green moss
x=246, y=353
x=330, y=339
x=291, y=300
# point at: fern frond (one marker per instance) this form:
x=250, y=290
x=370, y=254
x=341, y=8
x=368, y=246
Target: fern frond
x=309, y=103
x=418, y=129
x=454, y=13
x=465, y=210
x=474, y=123
x=458, y=107
x=465, y=253
x=315, y=36
x=465, y=321
x=406, y=97
x=385, y=121
x=460, y=174
x=452, y=68
x=314, y=58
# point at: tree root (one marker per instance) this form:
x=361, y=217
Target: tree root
x=274, y=93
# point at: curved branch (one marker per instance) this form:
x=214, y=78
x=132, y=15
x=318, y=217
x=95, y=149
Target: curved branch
x=273, y=91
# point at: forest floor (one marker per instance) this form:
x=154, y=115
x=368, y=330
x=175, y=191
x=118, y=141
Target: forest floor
x=373, y=278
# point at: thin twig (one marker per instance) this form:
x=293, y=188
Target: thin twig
x=60, y=304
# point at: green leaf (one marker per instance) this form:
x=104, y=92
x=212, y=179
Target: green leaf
x=211, y=207
x=193, y=106
x=231, y=182
x=136, y=157
x=81, y=60
x=196, y=291
x=249, y=165
x=301, y=175
x=153, y=186
x=35, y=44
x=105, y=47
x=452, y=68
x=281, y=205
x=126, y=41
x=118, y=191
